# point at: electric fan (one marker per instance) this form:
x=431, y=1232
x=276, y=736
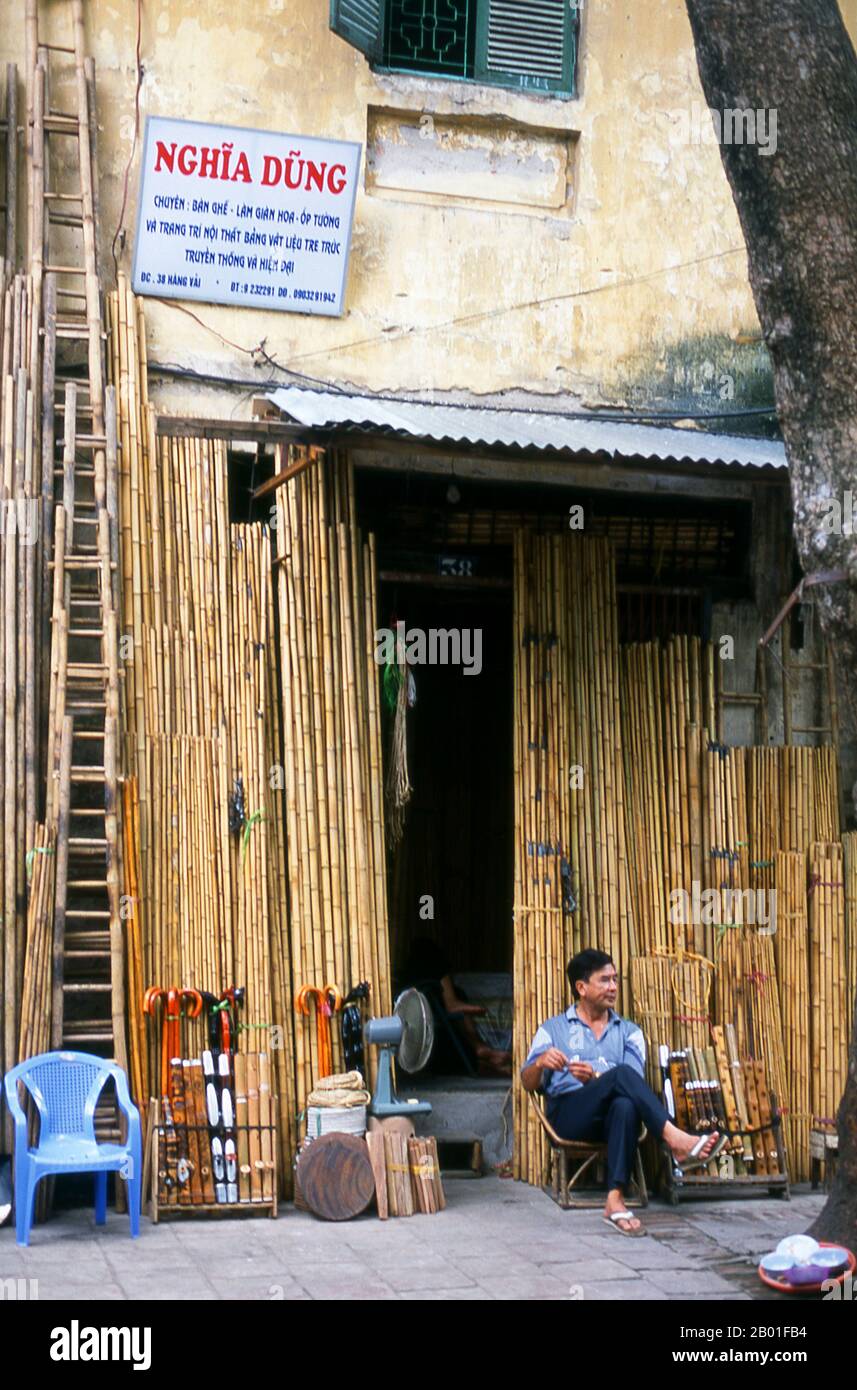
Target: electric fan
x=409, y=1034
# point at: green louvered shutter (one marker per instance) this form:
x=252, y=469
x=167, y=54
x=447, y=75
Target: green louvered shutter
x=360, y=23
x=527, y=43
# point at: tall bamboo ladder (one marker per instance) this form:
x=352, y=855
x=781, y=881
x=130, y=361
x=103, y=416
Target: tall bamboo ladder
x=756, y=700
x=823, y=671
x=79, y=479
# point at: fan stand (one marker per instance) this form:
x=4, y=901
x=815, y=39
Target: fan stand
x=385, y=1102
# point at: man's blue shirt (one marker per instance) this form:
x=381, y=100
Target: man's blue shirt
x=620, y=1042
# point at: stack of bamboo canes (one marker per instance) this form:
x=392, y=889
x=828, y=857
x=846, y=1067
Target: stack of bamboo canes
x=849, y=849
x=35, y=1028
x=653, y=1006
x=667, y=709
x=763, y=800
x=670, y=1001
x=9, y=126
x=571, y=871
x=21, y=650
x=793, y=972
x=829, y=1021
x=335, y=853
x=202, y=715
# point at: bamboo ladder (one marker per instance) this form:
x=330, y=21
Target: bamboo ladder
x=83, y=699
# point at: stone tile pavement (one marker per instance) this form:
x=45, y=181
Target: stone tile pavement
x=496, y=1240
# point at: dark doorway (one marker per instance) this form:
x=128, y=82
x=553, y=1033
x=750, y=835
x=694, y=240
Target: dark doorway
x=451, y=876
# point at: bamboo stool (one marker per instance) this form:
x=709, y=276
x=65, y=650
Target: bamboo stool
x=560, y=1183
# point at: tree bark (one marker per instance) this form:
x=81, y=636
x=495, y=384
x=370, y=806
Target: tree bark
x=798, y=212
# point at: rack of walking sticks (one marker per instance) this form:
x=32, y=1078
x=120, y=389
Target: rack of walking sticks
x=708, y=1089
x=213, y=1137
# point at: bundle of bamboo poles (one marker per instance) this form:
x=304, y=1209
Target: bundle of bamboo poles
x=9, y=126
x=829, y=1020
x=335, y=855
x=670, y=1001
x=652, y=1005
x=35, y=1026
x=571, y=871
x=203, y=731
x=136, y=979
x=691, y=979
x=849, y=851
x=791, y=943
x=21, y=648
x=667, y=713
x=809, y=797
x=763, y=800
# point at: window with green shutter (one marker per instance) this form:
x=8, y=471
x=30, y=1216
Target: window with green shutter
x=531, y=44
x=361, y=23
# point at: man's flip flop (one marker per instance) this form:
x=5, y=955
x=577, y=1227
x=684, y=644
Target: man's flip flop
x=695, y=1158
x=613, y=1222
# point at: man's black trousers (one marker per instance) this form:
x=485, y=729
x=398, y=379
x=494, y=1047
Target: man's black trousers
x=609, y=1110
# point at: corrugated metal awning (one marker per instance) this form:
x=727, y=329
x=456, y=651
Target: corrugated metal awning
x=490, y=428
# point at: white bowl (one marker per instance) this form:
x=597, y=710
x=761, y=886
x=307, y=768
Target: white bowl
x=800, y=1248
x=830, y=1258
x=776, y=1264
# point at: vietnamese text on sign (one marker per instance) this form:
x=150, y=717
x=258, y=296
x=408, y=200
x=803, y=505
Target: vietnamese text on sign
x=246, y=217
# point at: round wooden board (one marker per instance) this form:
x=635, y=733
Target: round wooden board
x=335, y=1174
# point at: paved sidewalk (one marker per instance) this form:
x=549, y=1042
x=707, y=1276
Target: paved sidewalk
x=496, y=1240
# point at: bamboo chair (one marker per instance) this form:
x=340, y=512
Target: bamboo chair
x=562, y=1185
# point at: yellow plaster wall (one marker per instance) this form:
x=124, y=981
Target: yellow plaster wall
x=646, y=260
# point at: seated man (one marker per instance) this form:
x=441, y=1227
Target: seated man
x=590, y=1064
x=428, y=970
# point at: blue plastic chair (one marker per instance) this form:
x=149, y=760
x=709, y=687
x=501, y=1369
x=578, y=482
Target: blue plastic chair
x=65, y=1087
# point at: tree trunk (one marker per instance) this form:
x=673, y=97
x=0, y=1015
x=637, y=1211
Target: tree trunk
x=798, y=211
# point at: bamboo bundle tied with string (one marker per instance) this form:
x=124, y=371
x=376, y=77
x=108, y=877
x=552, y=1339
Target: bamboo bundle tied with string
x=791, y=945
x=652, y=1006
x=334, y=843
x=22, y=650
x=667, y=712
x=202, y=715
x=849, y=849
x=571, y=866
x=763, y=798
x=829, y=1021
x=35, y=1026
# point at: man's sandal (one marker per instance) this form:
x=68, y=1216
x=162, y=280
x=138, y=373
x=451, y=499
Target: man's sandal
x=613, y=1222
x=695, y=1158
